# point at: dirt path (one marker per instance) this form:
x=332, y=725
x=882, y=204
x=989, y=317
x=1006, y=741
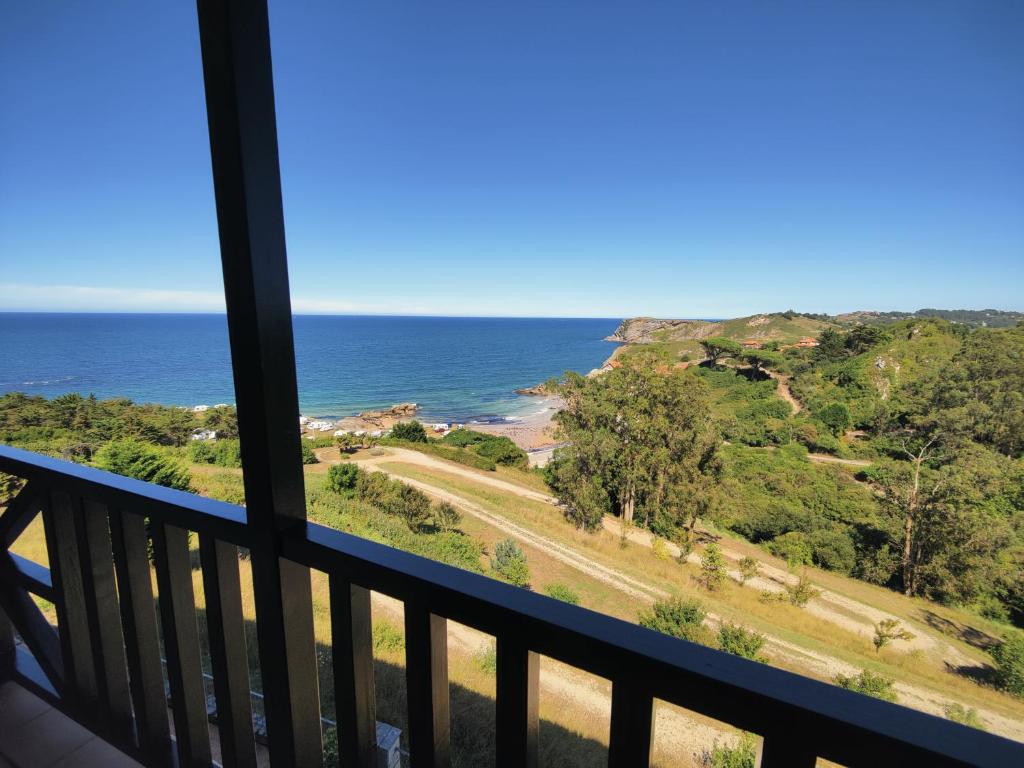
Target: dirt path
x=821, y=664
x=782, y=387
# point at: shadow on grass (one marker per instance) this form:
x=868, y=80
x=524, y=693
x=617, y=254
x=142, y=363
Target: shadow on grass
x=970, y=635
x=472, y=713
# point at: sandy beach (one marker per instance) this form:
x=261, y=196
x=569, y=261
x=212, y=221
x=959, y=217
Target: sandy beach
x=533, y=430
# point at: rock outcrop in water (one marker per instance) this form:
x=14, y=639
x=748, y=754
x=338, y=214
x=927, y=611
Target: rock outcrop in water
x=394, y=413
x=539, y=390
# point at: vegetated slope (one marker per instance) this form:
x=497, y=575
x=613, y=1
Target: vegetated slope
x=784, y=327
x=973, y=318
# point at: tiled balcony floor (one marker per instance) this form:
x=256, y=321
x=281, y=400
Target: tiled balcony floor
x=35, y=735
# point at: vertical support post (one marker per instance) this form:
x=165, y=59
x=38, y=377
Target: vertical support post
x=354, y=697
x=6, y=647
x=518, y=688
x=632, y=729
x=235, y=41
x=426, y=674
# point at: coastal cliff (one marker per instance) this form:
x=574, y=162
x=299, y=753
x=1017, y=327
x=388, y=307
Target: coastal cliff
x=648, y=330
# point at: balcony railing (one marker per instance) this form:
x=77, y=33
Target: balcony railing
x=102, y=663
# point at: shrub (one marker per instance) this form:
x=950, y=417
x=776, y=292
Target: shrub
x=308, y=457
x=969, y=717
x=446, y=517
x=833, y=549
x=660, y=548
x=342, y=478
x=509, y=562
x=487, y=659
x=793, y=547
x=802, y=592
x=1009, y=658
x=743, y=755
x=749, y=568
x=501, y=450
x=835, y=416
x=677, y=617
x=387, y=638
x=412, y=431
x=869, y=684
x=563, y=593
x=712, y=567
x=143, y=462
x=462, y=438
x=740, y=642
x=888, y=630
x=410, y=504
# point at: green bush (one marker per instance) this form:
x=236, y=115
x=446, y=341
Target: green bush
x=969, y=717
x=509, y=562
x=446, y=517
x=712, y=567
x=562, y=592
x=487, y=659
x=833, y=549
x=835, y=416
x=463, y=438
x=869, y=684
x=387, y=638
x=412, y=431
x=793, y=547
x=143, y=462
x=678, y=617
x=342, y=478
x=743, y=755
x=501, y=450
x=1009, y=658
x=308, y=457
x=740, y=642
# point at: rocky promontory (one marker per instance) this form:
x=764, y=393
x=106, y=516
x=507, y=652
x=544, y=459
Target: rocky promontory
x=647, y=330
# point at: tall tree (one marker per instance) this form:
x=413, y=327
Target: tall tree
x=641, y=444
x=716, y=347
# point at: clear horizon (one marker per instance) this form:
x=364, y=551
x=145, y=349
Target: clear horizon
x=532, y=161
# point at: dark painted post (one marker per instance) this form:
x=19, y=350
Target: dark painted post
x=235, y=42
x=6, y=647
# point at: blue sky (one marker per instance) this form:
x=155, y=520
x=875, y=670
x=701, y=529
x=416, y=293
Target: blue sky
x=580, y=158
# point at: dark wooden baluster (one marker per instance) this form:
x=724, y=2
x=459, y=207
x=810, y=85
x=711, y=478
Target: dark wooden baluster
x=786, y=752
x=354, y=696
x=80, y=689
x=426, y=670
x=101, y=609
x=142, y=642
x=518, y=694
x=181, y=643
x=632, y=728
x=228, y=653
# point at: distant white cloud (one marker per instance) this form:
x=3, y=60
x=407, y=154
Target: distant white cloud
x=19, y=297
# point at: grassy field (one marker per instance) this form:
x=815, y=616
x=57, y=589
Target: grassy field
x=967, y=632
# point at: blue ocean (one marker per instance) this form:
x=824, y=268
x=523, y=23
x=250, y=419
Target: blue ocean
x=455, y=368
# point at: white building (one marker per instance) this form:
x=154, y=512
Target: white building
x=204, y=434
x=200, y=408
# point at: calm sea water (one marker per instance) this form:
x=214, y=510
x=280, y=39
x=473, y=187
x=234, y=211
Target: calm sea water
x=454, y=368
